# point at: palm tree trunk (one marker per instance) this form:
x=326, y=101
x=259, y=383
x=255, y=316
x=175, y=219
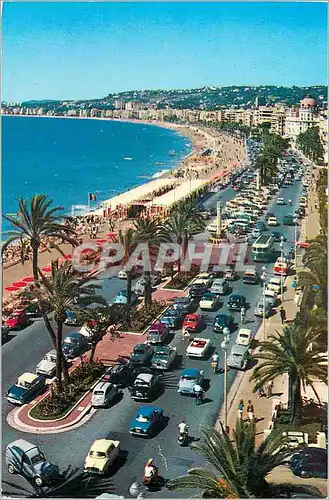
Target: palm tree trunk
x=92, y=352
x=147, y=290
x=296, y=402
x=49, y=328
x=128, y=289
x=35, y=252
x=59, y=355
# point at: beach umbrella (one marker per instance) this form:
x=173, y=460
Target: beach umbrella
x=11, y=288
x=46, y=269
x=19, y=284
x=28, y=279
x=68, y=257
x=101, y=241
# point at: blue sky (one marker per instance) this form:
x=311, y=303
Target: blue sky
x=86, y=50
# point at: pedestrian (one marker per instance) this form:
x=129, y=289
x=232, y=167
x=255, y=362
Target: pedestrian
x=269, y=389
x=282, y=315
x=260, y=390
x=240, y=409
x=242, y=313
x=250, y=411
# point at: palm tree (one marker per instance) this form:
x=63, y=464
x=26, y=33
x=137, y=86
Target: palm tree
x=290, y=353
x=239, y=469
x=127, y=240
x=63, y=291
x=34, y=222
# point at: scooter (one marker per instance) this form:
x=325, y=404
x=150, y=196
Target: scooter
x=214, y=365
x=151, y=480
x=182, y=438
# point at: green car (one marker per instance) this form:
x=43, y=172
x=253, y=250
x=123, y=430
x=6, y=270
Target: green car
x=288, y=220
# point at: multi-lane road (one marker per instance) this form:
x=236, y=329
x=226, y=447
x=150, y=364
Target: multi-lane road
x=22, y=352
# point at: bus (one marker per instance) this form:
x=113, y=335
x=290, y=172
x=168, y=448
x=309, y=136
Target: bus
x=264, y=249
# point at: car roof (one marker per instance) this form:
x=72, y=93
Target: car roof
x=140, y=345
x=192, y=372
x=28, y=377
x=148, y=410
x=102, y=386
x=192, y=316
x=162, y=348
x=145, y=377
x=74, y=335
x=246, y=331
x=250, y=271
x=182, y=299
x=235, y=295
x=239, y=349
x=52, y=352
x=22, y=444
x=219, y=281
x=101, y=445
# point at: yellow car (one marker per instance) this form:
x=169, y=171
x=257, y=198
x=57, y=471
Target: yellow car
x=101, y=456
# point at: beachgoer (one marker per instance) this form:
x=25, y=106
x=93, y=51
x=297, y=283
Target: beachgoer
x=240, y=409
x=282, y=315
x=250, y=411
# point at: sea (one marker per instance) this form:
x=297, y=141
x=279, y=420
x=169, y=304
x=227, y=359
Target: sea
x=68, y=158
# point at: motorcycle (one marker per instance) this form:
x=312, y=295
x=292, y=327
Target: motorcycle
x=214, y=365
x=153, y=479
x=182, y=438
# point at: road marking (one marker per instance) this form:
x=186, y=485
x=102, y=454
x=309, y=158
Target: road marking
x=165, y=461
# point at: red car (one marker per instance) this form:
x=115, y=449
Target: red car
x=16, y=320
x=193, y=323
x=303, y=244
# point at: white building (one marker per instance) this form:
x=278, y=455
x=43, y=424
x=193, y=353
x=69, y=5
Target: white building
x=300, y=119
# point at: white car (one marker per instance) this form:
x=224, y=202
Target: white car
x=229, y=274
x=204, y=278
x=198, y=348
x=212, y=227
x=274, y=284
x=84, y=330
x=209, y=301
x=280, y=201
x=272, y=221
x=103, y=394
x=122, y=274
x=271, y=297
x=47, y=365
x=244, y=337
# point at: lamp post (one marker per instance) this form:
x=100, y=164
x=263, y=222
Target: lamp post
x=224, y=346
x=263, y=278
x=281, y=275
x=296, y=224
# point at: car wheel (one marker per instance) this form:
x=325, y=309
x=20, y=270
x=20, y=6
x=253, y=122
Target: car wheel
x=303, y=473
x=37, y=481
x=11, y=469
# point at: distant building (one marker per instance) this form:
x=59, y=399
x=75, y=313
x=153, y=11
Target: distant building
x=299, y=119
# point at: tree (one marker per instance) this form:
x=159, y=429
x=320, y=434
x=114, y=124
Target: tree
x=35, y=222
x=127, y=240
x=239, y=469
x=290, y=353
x=63, y=291
x=310, y=143
x=316, y=260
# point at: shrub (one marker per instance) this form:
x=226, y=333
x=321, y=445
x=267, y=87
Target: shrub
x=138, y=319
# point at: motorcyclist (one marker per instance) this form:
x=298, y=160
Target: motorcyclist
x=290, y=202
x=215, y=362
x=198, y=391
x=242, y=313
x=150, y=470
x=183, y=427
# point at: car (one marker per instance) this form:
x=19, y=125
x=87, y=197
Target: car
x=244, y=337
x=145, y=386
x=205, y=278
x=310, y=462
x=196, y=291
x=198, y=347
x=71, y=319
x=47, y=365
x=269, y=215
x=74, y=344
x=121, y=297
x=238, y=357
x=26, y=459
x=32, y=310
x=223, y=321
x=173, y=317
x=261, y=226
x=209, y=301
x=103, y=394
x=277, y=235
x=190, y=377
x=280, y=201
x=229, y=274
x=288, y=220
x=4, y=333
x=256, y=233
x=281, y=267
x=163, y=357
x=121, y=374
x=17, y=320
x=147, y=421
x=192, y=323
x=27, y=387
x=303, y=244
x=274, y=284
x=236, y=302
x=185, y=304
x=101, y=456
x=250, y=277
x=141, y=355
x=273, y=221
x=271, y=297
x=220, y=286
x=259, y=309
x=157, y=333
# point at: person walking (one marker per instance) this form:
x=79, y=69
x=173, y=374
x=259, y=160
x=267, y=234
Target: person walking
x=269, y=389
x=242, y=314
x=240, y=409
x=282, y=315
x=250, y=411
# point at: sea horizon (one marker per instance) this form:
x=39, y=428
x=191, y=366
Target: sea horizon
x=67, y=159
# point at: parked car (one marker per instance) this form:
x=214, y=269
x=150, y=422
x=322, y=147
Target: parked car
x=141, y=355
x=47, y=365
x=71, y=319
x=17, y=320
x=173, y=318
x=310, y=462
x=209, y=301
x=185, y=304
x=122, y=375
x=27, y=387
x=261, y=226
x=196, y=291
x=145, y=386
x=259, y=309
x=101, y=456
x=274, y=284
x=198, y=347
x=189, y=378
x=244, y=337
x=280, y=201
x=269, y=215
x=271, y=297
x=32, y=310
x=223, y=321
x=164, y=357
x=256, y=233
x=229, y=274
x=220, y=286
x=273, y=221
x=103, y=394
x=250, y=277
x=288, y=220
x=236, y=302
x=157, y=333
x=147, y=421
x=121, y=297
x=193, y=323
x=238, y=357
x=28, y=460
x=205, y=278
x=74, y=344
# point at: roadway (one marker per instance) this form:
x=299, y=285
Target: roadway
x=22, y=353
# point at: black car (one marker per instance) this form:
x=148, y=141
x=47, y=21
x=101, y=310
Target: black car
x=236, y=302
x=122, y=375
x=74, y=345
x=141, y=355
x=145, y=387
x=277, y=235
x=223, y=321
x=196, y=291
x=185, y=304
x=4, y=333
x=310, y=462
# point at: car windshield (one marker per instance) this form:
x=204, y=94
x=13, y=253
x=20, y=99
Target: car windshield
x=141, y=383
x=70, y=340
x=97, y=454
x=98, y=393
x=154, y=333
x=237, y=355
x=191, y=320
x=139, y=350
x=142, y=418
x=37, y=459
x=161, y=353
x=244, y=335
x=188, y=377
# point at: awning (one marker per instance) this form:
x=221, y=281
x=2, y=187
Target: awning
x=28, y=279
x=46, y=269
x=11, y=289
x=19, y=284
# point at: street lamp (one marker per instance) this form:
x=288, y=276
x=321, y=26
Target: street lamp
x=281, y=275
x=296, y=224
x=263, y=278
x=224, y=346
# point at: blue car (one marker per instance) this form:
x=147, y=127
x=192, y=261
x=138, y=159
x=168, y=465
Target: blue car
x=27, y=387
x=173, y=318
x=147, y=421
x=121, y=298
